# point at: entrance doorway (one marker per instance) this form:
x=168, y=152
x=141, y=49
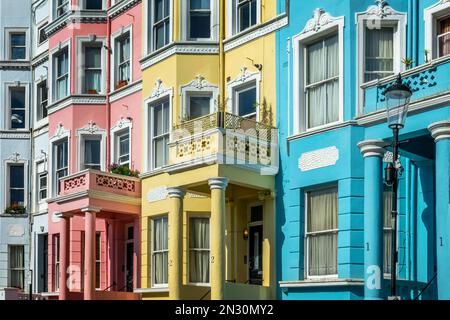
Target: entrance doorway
x=129, y=258
x=255, y=235
x=43, y=263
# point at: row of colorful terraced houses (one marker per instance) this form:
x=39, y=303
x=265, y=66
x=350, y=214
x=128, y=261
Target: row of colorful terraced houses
x=221, y=149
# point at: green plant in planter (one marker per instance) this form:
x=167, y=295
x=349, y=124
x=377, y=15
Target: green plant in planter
x=15, y=209
x=408, y=62
x=123, y=170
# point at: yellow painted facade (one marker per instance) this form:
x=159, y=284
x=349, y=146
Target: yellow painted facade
x=228, y=207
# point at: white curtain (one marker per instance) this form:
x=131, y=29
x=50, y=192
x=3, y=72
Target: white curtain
x=124, y=69
x=323, y=89
x=387, y=234
x=379, y=53
x=16, y=262
x=199, y=250
x=322, y=242
x=93, y=72
x=160, y=247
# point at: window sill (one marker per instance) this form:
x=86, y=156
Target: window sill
x=205, y=285
x=151, y=290
x=324, y=282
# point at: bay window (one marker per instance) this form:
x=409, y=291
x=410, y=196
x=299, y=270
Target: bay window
x=92, y=69
x=16, y=184
x=123, y=148
x=123, y=70
x=17, y=266
x=61, y=83
x=379, y=53
x=321, y=232
x=160, y=251
x=322, y=82
x=160, y=23
x=17, y=107
x=61, y=163
x=160, y=133
x=199, y=19
x=199, y=250
x=247, y=14
x=443, y=36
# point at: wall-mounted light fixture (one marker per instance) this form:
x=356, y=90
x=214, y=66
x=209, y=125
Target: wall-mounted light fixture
x=256, y=65
x=245, y=233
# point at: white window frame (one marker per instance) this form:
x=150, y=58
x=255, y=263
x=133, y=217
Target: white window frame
x=431, y=15
x=122, y=126
x=58, y=138
x=55, y=8
x=333, y=25
x=160, y=92
x=394, y=19
x=306, y=251
x=199, y=87
x=38, y=102
x=8, y=87
x=185, y=22
x=149, y=39
x=82, y=43
x=41, y=27
x=233, y=21
x=8, y=33
x=22, y=269
x=200, y=216
x=153, y=251
x=66, y=45
x=84, y=134
x=152, y=137
x=41, y=202
x=115, y=37
x=243, y=82
x=8, y=164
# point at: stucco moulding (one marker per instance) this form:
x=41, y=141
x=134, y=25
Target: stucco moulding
x=160, y=193
x=16, y=230
x=318, y=159
x=320, y=19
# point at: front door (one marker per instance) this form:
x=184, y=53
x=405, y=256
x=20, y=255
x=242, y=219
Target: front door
x=43, y=262
x=129, y=256
x=255, y=254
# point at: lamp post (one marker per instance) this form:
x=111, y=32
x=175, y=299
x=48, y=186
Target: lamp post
x=397, y=102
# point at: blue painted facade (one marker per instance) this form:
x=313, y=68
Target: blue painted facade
x=310, y=159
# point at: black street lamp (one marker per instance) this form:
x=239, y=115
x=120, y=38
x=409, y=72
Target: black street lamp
x=397, y=96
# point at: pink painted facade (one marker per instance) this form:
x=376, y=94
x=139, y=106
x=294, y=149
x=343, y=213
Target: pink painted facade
x=94, y=216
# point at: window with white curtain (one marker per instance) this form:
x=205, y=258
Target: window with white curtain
x=17, y=107
x=247, y=14
x=443, y=36
x=123, y=59
x=160, y=23
x=322, y=232
x=92, y=69
x=61, y=162
x=160, y=133
x=16, y=184
x=199, y=19
x=122, y=148
x=91, y=152
x=17, y=266
x=56, y=245
x=199, y=250
x=379, y=53
x=387, y=229
x=160, y=251
x=322, y=82
x=61, y=66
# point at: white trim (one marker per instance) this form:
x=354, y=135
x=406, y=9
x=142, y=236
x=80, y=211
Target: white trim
x=66, y=45
x=375, y=17
x=158, y=93
x=198, y=87
x=321, y=283
x=82, y=43
x=7, y=119
x=114, y=40
x=125, y=91
x=60, y=135
x=431, y=14
x=7, y=52
x=91, y=130
x=244, y=80
x=322, y=24
x=184, y=27
x=15, y=159
x=124, y=124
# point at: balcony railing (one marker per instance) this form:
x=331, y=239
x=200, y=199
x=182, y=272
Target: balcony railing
x=100, y=181
x=426, y=81
x=224, y=138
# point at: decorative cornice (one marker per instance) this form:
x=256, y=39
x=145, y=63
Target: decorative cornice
x=60, y=131
x=159, y=90
x=76, y=16
x=121, y=124
x=244, y=75
x=14, y=135
x=40, y=59
x=440, y=130
x=126, y=91
x=372, y=148
x=381, y=9
x=15, y=157
x=91, y=128
x=259, y=31
x=218, y=183
x=76, y=99
x=176, y=192
x=178, y=48
x=320, y=19
x=121, y=7
x=15, y=65
x=199, y=83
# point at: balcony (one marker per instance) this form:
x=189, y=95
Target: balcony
x=224, y=138
x=111, y=192
x=429, y=82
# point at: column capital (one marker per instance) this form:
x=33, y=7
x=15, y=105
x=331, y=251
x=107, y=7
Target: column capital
x=218, y=183
x=176, y=192
x=62, y=215
x=440, y=130
x=372, y=148
x=91, y=209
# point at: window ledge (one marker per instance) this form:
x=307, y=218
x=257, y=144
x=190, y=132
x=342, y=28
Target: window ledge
x=121, y=6
x=330, y=282
x=322, y=129
x=151, y=290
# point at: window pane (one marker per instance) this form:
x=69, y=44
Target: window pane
x=199, y=259
x=93, y=80
x=247, y=101
x=379, y=50
x=61, y=155
x=159, y=36
x=94, y=4
x=244, y=17
x=160, y=234
x=158, y=10
x=200, y=4
x=18, y=39
x=16, y=266
x=93, y=57
x=16, y=179
x=161, y=267
x=322, y=210
x=199, y=106
x=92, y=154
x=199, y=233
x=159, y=152
x=62, y=64
x=200, y=25
x=157, y=120
x=124, y=144
x=18, y=53
x=322, y=250
x=18, y=98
